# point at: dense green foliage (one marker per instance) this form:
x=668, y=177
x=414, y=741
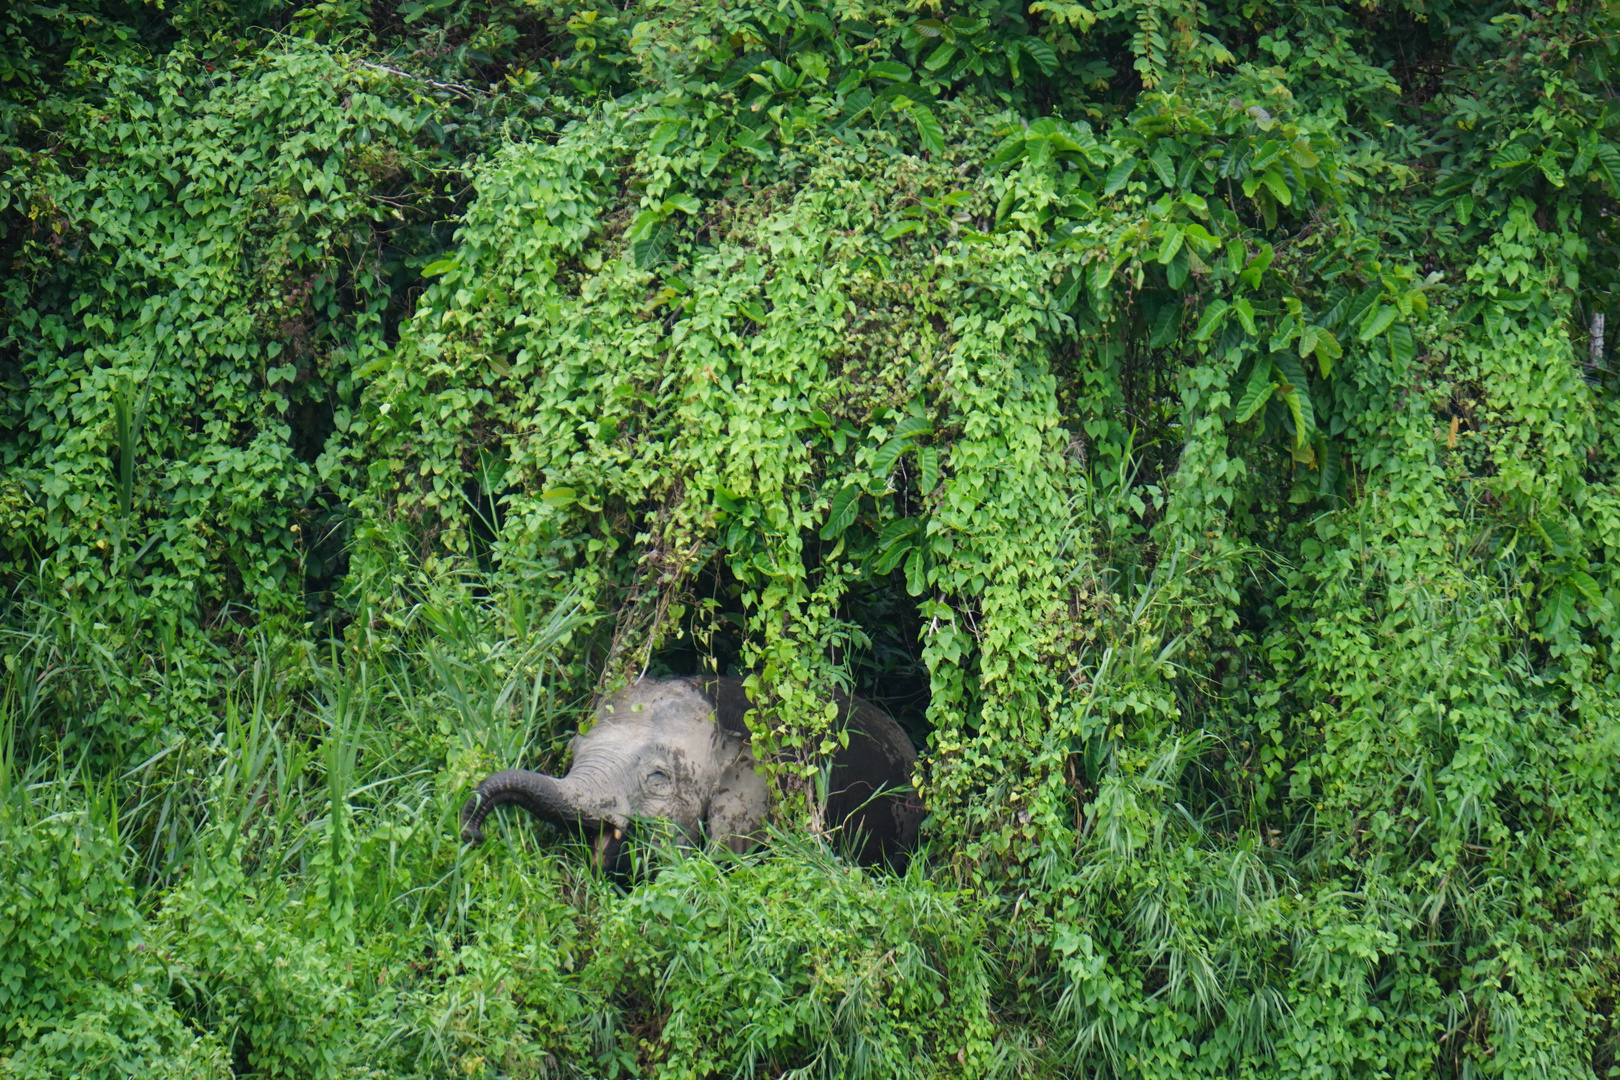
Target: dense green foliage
x=1195, y=422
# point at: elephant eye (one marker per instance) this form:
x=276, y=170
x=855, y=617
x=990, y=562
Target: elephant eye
x=658, y=780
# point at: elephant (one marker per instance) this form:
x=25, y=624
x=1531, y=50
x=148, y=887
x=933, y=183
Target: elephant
x=678, y=750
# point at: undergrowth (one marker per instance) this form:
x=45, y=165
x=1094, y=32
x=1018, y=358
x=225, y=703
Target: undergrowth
x=278, y=891
x=1199, y=419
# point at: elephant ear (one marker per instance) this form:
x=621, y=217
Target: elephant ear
x=737, y=808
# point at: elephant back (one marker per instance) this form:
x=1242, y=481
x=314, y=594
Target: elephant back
x=879, y=758
x=730, y=702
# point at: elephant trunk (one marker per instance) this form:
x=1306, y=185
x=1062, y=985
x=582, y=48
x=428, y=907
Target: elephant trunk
x=543, y=796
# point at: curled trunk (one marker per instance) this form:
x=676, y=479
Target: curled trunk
x=543, y=796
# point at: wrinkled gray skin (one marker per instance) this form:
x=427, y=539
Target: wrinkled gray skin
x=678, y=750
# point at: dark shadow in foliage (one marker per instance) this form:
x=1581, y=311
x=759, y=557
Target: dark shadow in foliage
x=888, y=670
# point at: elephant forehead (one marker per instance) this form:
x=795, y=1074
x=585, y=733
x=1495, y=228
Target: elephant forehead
x=659, y=718
x=654, y=734
x=662, y=701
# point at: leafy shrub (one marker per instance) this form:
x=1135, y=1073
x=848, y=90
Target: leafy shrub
x=81, y=991
x=210, y=275
x=1215, y=401
x=799, y=965
x=272, y=996
x=507, y=996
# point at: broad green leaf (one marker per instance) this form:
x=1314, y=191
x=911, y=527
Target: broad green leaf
x=1583, y=155
x=1214, y=315
x=1199, y=237
x=1040, y=52
x=1291, y=371
x=913, y=426
x=1258, y=266
x=786, y=78
x=1329, y=457
x=1175, y=274
x=1065, y=142
x=1161, y=165
x=683, y=201
x=1171, y=243
x=1586, y=585
x=557, y=496
x=1512, y=154
x=1118, y=175
x=927, y=470
x=651, y=249
x=888, y=456
x=1362, y=304
x=1245, y=313
x=752, y=142
x=916, y=573
x=889, y=556
x=1040, y=149
x=1550, y=168
x=1556, y=536
x=1291, y=407
x=712, y=155
x=1166, y=325
x=1269, y=151
x=646, y=221
x=1377, y=320
x=929, y=132
x=1557, y=608
x=1327, y=350
x=1102, y=272
x=1256, y=393
x=1068, y=290
x=1234, y=255
x=846, y=506
x=1304, y=449
x=738, y=70
x=1299, y=407
x=1011, y=149
x=1401, y=345
x=1005, y=205
x=1268, y=208
x=1606, y=157
x=661, y=138
x=1307, y=340
x=1337, y=305
x=889, y=69
x=940, y=57
x=896, y=531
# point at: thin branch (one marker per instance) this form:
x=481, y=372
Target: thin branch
x=390, y=201
x=455, y=88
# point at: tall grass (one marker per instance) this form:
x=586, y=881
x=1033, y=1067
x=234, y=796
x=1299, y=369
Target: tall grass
x=275, y=823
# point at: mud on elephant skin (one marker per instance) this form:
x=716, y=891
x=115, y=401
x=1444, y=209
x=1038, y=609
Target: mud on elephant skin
x=678, y=750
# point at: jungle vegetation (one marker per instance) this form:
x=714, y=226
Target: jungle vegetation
x=1195, y=420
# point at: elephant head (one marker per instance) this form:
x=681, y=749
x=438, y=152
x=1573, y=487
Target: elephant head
x=677, y=750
